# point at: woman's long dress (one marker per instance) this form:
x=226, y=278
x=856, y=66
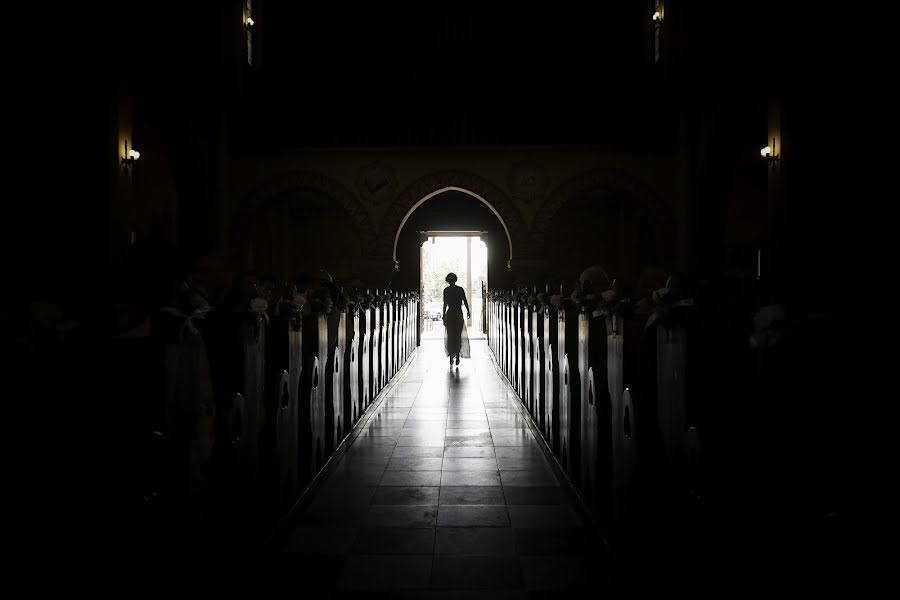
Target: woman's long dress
x=456, y=340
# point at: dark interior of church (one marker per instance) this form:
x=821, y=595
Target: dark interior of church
x=215, y=291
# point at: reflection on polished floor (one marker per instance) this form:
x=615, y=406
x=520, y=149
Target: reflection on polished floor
x=445, y=488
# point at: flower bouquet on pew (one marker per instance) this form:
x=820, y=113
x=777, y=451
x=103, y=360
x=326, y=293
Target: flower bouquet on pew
x=378, y=300
x=556, y=301
x=543, y=302
x=321, y=301
x=355, y=299
x=666, y=305
x=259, y=307
x=342, y=300
x=611, y=302
x=521, y=296
x=768, y=323
x=191, y=303
x=295, y=306
x=367, y=300
x=259, y=304
x=583, y=298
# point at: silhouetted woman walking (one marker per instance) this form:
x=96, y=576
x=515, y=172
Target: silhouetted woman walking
x=456, y=340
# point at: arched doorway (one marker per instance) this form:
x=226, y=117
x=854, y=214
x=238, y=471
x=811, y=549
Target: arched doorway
x=451, y=211
x=461, y=207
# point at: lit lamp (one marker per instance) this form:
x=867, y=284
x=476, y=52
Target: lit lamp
x=249, y=21
x=657, y=18
x=130, y=158
x=769, y=154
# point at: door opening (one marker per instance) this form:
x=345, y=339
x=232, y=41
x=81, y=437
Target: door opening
x=460, y=252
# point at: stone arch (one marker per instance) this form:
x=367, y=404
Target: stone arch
x=432, y=184
x=613, y=179
x=440, y=191
x=284, y=183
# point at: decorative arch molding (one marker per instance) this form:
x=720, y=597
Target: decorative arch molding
x=430, y=185
x=299, y=180
x=612, y=179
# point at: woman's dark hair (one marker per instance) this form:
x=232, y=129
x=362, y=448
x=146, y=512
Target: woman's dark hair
x=451, y=278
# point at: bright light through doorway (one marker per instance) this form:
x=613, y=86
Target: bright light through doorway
x=465, y=255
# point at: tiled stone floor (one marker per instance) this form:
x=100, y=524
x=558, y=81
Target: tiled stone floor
x=445, y=490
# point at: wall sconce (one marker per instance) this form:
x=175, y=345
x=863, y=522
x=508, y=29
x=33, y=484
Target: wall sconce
x=249, y=22
x=130, y=158
x=769, y=154
x=657, y=18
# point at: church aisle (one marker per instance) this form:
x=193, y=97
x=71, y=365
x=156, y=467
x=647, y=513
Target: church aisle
x=445, y=488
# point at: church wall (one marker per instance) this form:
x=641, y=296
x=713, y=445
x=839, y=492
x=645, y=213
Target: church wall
x=533, y=184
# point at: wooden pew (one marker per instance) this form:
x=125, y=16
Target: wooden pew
x=399, y=355
x=498, y=332
x=671, y=344
x=538, y=364
x=407, y=329
x=510, y=344
x=501, y=331
x=410, y=327
x=526, y=364
x=406, y=349
x=551, y=376
x=411, y=323
x=334, y=397
x=236, y=345
x=513, y=322
x=569, y=388
x=318, y=339
x=508, y=341
x=491, y=334
x=400, y=351
x=595, y=401
x=345, y=350
x=623, y=432
x=376, y=350
x=640, y=441
x=491, y=337
x=389, y=326
x=283, y=368
x=355, y=369
x=382, y=347
x=367, y=322
x=519, y=334
x=172, y=412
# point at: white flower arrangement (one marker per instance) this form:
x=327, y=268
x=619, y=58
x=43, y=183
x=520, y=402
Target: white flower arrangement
x=664, y=301
x=611, y=302
x=259, y=305
x=766, y=325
